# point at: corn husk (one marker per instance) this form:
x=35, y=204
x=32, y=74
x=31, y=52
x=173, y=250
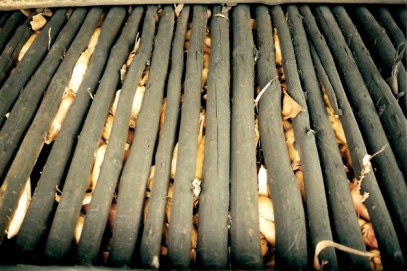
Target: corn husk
x=79, y=227
x=100, y=155
x=292, y=151
x=368, y=234
x=162, y=114
x=358, y=200
x=277, y=49
x=22, y=207
x=266, y=219
x=27, y=45
x=290, y=107
x=376, y=260
x=263, y=189
x=338, y=129
x=174, y=162
x=256, y=132
x=137, y=101
x=107, y=129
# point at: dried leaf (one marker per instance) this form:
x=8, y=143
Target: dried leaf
x=327, y=243
x=290, y=107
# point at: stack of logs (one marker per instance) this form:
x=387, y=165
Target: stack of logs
x=191, y=136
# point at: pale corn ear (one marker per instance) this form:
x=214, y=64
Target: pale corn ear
x=113, y=108
x=78, y=228
x=137, y=102
x=100, y=155
x=174, y=162
x=107, y=130
x=60, y=116
x=27, y=45
x=277, y=49
x=262, y=182
x=200, y=159
x=22, y=207
x=82, y=64
x=266, y=210
x=268, y=229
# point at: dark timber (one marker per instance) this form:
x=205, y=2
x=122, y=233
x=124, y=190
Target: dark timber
x=212, y=251
x=180, y=230
x=396, y=35
x=123, y=115
x=31, y=60
x=27, y=102
x=9, y=28
x=12, y=49
x=244, y=229
x=391, y=115
x=384, y=51
x=390, y=177
x=98, y=213
x=63, y=225
x=291, y=245
x=43, y=203
x=88, y=247
x=389, y=246
x=29, y=150
x=153, y=226
x=344, y=220
x=375, y=204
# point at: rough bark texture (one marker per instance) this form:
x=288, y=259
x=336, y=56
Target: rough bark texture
x=244, y=230
x=179, y=242
x=153, y=226
x=212, y=251
x=63, y=226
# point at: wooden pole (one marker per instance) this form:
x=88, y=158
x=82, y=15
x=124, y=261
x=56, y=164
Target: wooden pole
x=13, y=5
